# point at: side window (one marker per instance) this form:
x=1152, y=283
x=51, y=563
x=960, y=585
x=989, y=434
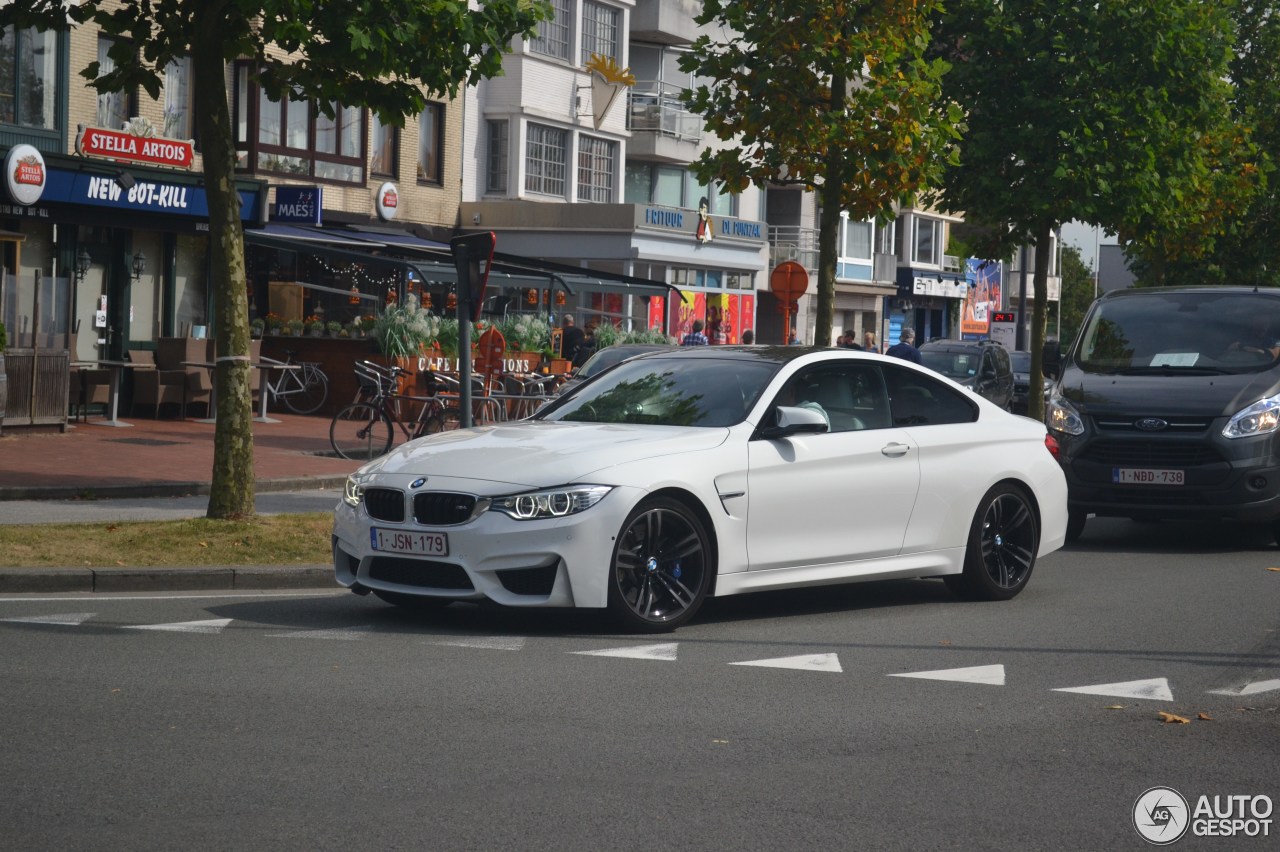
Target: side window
x=917, y=400
x=851, y=397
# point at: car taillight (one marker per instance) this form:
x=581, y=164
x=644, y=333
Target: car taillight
x=1051, y=444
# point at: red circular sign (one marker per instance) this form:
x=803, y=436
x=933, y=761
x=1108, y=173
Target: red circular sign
x=788, y=281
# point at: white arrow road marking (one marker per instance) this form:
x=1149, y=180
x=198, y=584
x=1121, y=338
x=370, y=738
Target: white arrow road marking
x=1249, y=688
x=1156, y=689
x=488, y=643
x=805, y=662
x=331, y=633
x=991, y=675
x=636, y=652
x=64, y=618
x=213, y=625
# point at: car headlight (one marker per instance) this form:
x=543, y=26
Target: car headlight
x=353, y=490
x=550, y=502
x=1062, y=417
x=1260, y=418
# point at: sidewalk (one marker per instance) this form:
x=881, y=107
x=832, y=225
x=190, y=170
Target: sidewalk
x=160, y=460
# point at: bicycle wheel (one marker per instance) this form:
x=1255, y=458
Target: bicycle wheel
x=360, y=432
x=310, y=392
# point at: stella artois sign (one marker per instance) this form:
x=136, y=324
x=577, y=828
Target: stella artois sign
x=25, y=174
x=127, y=147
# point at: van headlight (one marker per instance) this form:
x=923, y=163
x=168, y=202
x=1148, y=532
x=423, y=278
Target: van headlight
x=550, y=502
x=1061, y=416
x=1261, y=418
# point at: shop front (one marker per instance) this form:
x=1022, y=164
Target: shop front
x=928, y=302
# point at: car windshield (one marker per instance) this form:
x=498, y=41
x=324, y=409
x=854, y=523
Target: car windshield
x=1189, y=331
x=1020, y=361
x=668, y=391
x=606, y=358
x=957, y=365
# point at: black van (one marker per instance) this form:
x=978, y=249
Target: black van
x=1167, y=406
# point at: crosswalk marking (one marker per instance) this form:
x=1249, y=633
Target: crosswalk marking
x=1249, y=688
x=346, y=633
x=68, y=618
x=804, y=662
x=990, y=675
x=212, y=625
x=487, y=643
x=636, y=652
x=1156, y=689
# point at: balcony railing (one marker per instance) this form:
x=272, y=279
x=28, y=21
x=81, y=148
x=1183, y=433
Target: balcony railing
x=791, y=242
x=655, y=107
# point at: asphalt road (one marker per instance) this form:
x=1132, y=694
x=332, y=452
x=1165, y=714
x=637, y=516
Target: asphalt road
x=875, y=716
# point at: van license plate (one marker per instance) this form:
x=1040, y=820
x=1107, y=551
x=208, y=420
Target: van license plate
x=1147, y=476
x=411, y=542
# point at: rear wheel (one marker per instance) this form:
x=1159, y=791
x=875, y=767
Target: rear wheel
x=361, y=432
x=661, y=567
x=1003, y=541
x=311, y=395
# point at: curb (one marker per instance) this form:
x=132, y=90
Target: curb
x=161, y=489
x=209, y=578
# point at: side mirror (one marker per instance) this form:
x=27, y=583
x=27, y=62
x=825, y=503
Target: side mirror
x=1051, y=358
x=796, y=421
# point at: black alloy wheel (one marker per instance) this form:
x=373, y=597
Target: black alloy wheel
x=1003, y=541
x=662, y=566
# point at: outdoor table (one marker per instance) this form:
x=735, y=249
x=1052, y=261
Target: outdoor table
x=116, y=368
x=266, y=365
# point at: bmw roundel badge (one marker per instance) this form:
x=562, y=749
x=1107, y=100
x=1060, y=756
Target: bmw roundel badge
x=418, y=483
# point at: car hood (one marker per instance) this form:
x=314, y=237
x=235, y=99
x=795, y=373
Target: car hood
x=1165, y=393
x=538, y=453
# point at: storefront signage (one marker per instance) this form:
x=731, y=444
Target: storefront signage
x=686, y=222
x=64, y=186
x=147, y=150
x=25, y=174
x=387, y=201
x=298, y=204
x=932, y=285
x=744, y=228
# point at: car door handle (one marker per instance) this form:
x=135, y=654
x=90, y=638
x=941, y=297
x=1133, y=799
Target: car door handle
x=894, y=450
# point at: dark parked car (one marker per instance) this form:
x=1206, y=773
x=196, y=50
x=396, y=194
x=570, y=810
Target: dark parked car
x=606, y=358
x=983, y=366
x=1021, y=362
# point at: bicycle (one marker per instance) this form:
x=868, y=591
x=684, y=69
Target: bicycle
x=302, y=390
x=365, y=430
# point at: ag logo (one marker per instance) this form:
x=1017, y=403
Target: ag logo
x=1161, y=816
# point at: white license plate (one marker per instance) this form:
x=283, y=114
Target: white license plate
x=409, y=541
x=1147, y=476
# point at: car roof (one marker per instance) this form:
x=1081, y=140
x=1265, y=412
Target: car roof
x=1217, y=289
x=957, y=344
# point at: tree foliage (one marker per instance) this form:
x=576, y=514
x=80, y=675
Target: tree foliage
x=832, y=95
x=389, y=56
x=1113, y=113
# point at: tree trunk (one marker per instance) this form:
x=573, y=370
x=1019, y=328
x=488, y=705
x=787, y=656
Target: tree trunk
x=829, y=226
x=1039, y=314
x=232, y=491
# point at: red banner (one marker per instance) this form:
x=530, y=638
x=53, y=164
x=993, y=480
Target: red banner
x=150, y=150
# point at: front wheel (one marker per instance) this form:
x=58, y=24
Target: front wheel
x=1003, y=541
x=361, y=432
x=311, y=393
x=662, y=567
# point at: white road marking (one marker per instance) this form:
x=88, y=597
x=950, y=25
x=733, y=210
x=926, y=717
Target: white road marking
x=1249, y=688
x=636, y=652
x=1156, y=689
x=106, y=597
x=347, y=633
x=64, y=618
x=212, y=625
x=804, y=662
x=488, y=643
x=991, y=675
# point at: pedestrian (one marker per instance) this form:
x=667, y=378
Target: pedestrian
x=571, y=340
x=869, y=342
x=850, y=340
x=904, y=348
x=748, y=338
x=695, y=337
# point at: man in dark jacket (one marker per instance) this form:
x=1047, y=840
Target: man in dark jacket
x=571, y=340
x=905, y=348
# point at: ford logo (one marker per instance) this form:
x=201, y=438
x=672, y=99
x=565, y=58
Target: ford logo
x=418, y=483
x=1151, y=424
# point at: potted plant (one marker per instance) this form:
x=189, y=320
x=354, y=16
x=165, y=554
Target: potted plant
x=295, y=327
x=333, y=327
x=314, y=326
x=257, y=327
x=275, y=322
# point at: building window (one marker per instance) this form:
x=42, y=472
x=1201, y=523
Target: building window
x=294, y=138
x=430, y=141
x=29, y=78
x=599, y=31
x=857, y=240
x=179, y=120
x=114, y=108
x=553, y=35
x=384, y=151
x=545, y=158
x=496, y=180
x=596, y=158
x=925, y=246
